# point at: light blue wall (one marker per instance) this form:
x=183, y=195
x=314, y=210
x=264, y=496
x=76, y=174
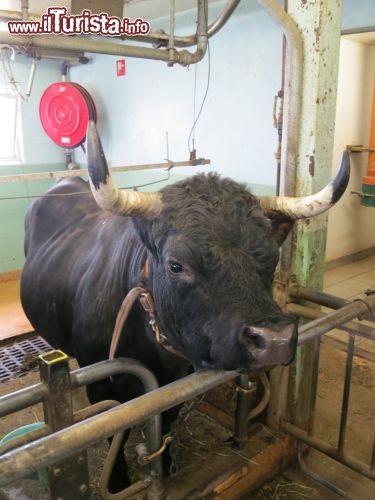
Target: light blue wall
x=358, y=13
x=235, y=129
x=39, y=154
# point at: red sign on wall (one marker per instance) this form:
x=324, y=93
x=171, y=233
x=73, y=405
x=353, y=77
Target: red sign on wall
x=121, y=67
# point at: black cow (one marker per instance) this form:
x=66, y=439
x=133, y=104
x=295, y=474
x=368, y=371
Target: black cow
x=204, y=248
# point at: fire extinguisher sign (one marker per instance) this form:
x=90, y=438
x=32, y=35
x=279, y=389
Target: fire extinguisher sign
x=120, y=67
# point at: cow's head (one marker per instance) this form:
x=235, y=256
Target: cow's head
x=212, y=252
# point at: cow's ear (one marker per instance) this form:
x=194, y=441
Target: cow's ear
x=281, y=226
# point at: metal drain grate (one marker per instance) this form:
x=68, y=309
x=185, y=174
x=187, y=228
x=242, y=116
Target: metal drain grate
x=19, y=358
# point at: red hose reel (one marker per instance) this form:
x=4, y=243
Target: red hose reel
x=65, y=110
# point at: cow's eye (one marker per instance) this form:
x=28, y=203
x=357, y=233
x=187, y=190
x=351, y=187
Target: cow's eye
x=175, y=267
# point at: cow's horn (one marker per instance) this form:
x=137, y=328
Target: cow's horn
x=106, y=194
x=308, y=206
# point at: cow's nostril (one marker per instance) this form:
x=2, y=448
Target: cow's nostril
x=253, y=337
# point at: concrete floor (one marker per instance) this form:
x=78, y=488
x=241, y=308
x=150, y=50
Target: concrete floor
x=349, y=282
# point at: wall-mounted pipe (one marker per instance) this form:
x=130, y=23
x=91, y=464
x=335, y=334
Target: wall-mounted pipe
x=4, y=179
x=183, y=57
x=91, y=46
x=14, y=15
x=292, y=100
x=25, y=9
x=292, y=93
x=172, y=12
x=156, y=38
x=31, y=78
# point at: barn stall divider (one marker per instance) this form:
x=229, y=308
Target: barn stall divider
x=68, y=438
x=290, y=293
x=65, y=447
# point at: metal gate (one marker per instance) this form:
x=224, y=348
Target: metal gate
x=322, y=323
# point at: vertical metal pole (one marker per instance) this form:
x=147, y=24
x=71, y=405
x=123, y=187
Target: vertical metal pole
x=242, y=411
x=68, y=480
x=320, y=24
x=314, y=385
x=171, y=46
x=372, y=465
x=346, y=393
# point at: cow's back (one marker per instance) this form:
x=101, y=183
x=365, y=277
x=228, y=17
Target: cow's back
x=67, y=201
x=72, y=249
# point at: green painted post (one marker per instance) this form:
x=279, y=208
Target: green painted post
x=320, y=25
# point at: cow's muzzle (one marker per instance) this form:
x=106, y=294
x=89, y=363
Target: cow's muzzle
x=270, y=346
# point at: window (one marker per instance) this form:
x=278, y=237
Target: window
x=10, y=109
x=9, y=128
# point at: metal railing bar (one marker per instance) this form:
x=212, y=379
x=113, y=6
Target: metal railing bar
x=319, y=479
x=324, y=299
x=314, y=387
x=242, y=411
x=372, y=466
x=346, y=393
x=359, y=329
x=35, y=394
x=22, y=399
x=59, y=446
x=331, y=451
x=323, y=325
x=58, y=174
x=78, y=416
x=110, y=367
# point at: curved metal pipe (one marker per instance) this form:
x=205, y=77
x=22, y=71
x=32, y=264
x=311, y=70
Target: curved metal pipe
x=70, y=440
x=106, y=369
x=293, y=90
x=85, y=45
x=292, y=104
x=183, y=57
x=257, y=410
x=190, y=40
x=100, y=371
x=157, y=38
